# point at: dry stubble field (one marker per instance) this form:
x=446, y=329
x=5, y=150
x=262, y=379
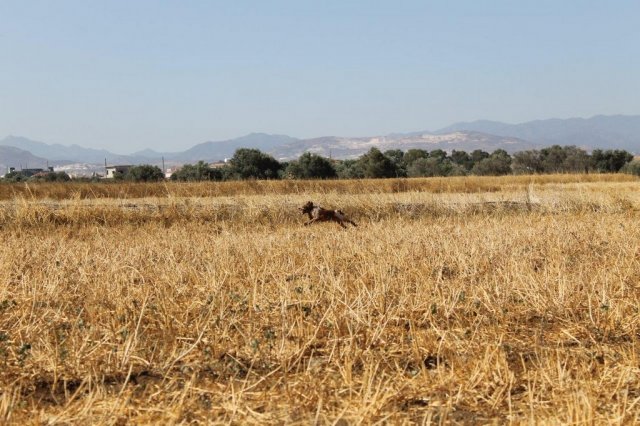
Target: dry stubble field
x=460, y=300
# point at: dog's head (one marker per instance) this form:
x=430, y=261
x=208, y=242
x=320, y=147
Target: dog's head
x=306, y=208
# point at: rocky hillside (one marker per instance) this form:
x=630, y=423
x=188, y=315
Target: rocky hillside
x=337, y=147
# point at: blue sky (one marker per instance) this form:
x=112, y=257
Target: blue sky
x=166, y=75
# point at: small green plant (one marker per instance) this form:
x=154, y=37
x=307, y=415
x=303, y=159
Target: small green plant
x=24, y=352
x=7, y=304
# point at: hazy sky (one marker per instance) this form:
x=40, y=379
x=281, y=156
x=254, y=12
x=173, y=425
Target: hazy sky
x=132, y=74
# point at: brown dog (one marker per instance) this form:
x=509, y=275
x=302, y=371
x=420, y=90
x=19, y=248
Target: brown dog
x=318, y=214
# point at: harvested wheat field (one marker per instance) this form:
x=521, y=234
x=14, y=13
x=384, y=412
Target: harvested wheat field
x=454, y=301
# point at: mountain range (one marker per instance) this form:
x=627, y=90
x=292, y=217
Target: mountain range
x=604, y=132
x=220, y=150
x=19, y=158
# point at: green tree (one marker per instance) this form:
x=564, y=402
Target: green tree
x=527, y=162
x=478, y=155
x=576, y=160
x=53, y=177
x=610, y=161
x=374, y=164
x=144, y=173
x=428, y=167
x=553, y=159
x=434, y=163
x=457, y=170
x=349, y=169
x=412, y=155
x=197, y=172
x=397, y=158
x=15, y=176
x=249, y=163
x=620, y=158
x=311, y=166
x=632, y=168
x=496, y=164
x=461, y=158
x=439, y=154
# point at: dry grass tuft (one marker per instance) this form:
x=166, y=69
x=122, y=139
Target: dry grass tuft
x=489, y=300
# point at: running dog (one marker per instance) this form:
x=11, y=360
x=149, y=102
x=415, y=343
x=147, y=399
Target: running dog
x=318, y=214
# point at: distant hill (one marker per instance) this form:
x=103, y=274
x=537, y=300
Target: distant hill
x=15, y=157
x=605, y=132
x=339, y=147
x=62, y=154
x=212, y=151
x=208, y=151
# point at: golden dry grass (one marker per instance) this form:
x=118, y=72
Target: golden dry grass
x=474, y=300
x=127, y=190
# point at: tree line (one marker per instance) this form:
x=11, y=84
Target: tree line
x=249, y=163
x=254, y=164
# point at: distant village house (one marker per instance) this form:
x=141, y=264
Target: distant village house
x=31, y=172
x=170, y=171
x=113, y=171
